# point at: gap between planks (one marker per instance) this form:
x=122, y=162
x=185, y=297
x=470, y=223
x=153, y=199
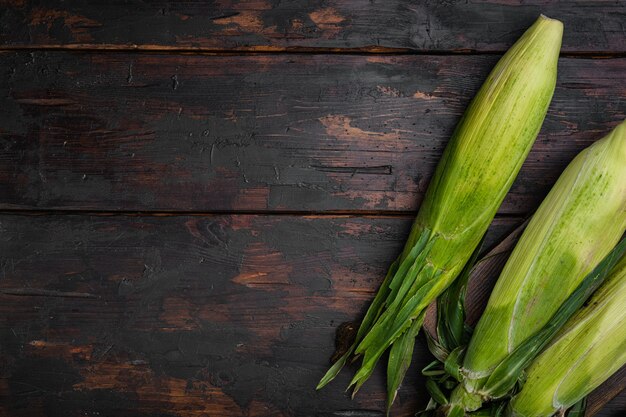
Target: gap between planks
x=176, y=213
x=279, y=50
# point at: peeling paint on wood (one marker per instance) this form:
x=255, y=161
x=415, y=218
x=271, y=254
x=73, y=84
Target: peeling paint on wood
x=392, y=25
x=265, y=133
x=194, y=316
x=221, y=315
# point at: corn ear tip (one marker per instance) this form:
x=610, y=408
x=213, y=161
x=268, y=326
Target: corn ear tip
x=555, y=22
x=555, y=25
x=548, y=18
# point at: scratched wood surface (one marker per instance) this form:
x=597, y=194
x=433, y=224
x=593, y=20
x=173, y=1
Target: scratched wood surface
x=194, y=195
x=390, y=25
x=190, y=316
x=265, y=132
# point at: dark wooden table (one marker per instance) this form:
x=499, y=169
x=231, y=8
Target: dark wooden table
x=194, y=195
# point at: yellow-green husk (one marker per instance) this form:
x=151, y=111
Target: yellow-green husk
x=585, y=353
x=477, y=169
x=579, y=222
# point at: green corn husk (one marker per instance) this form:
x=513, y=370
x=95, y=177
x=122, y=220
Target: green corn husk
x=576, y=226
x=477, y=169
x=585, y=353
x=508, y=377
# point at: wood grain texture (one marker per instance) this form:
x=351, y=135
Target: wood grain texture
x=268, y=25
x=190, y=316
x=230, y=315
x=86, y=131
x=609, y=399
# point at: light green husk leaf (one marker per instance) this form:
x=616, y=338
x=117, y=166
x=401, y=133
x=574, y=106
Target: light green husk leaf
x=585, y=353
x=506, y=375
x=477, y=169
x=581, y=219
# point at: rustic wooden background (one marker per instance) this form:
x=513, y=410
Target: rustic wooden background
x=194, y=195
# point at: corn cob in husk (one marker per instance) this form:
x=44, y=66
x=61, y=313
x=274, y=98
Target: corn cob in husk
x=585, y=353
x=576, y=226
x=477, y=169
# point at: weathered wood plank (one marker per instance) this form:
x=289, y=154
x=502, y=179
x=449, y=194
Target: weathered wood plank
x=190, y=316
x=609, y=399
x=442, y=25
x=264, y=132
